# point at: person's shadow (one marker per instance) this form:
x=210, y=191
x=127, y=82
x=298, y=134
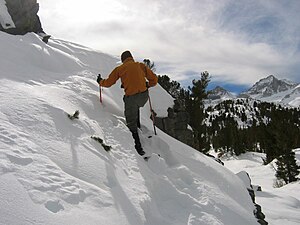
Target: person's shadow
x=120, y=197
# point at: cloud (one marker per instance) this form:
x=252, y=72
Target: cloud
x=235, y=41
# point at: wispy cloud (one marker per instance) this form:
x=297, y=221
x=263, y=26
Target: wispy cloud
x=236, y=41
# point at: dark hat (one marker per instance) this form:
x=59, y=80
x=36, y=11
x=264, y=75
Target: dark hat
x=125, y=55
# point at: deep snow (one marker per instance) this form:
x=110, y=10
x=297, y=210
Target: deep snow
x=52, y=172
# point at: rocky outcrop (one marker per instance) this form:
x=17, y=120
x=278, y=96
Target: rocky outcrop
x=24, y=16
x=176, y=125
x=244, y=176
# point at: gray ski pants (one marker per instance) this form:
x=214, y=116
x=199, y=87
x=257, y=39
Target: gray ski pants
x=132, y=109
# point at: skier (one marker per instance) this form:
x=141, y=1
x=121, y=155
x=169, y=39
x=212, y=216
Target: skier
x=133, y=77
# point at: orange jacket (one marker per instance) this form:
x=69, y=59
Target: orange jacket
x=133, y=76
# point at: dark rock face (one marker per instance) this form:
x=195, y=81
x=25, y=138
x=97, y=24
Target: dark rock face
x=244, y=176
x=24, y=15
x=176, y=125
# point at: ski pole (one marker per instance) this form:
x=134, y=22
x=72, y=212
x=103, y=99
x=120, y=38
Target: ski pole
x=152, y=115
x=100, y=91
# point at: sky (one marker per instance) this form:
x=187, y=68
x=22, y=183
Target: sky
x=237, y=42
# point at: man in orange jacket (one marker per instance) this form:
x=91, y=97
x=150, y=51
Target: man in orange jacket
x=133, y=77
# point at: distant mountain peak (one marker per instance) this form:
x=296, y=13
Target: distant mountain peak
x=267, y=87
x=220, y=93
x=266, y=81
x=270, y=78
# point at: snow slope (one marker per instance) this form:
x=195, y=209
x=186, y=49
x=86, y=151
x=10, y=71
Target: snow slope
x=52, y=172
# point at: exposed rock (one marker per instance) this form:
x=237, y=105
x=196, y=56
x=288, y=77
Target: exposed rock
x=216, y=159
x=257, y=188
x=244, y=176
x=24, y=16
x=176, y=125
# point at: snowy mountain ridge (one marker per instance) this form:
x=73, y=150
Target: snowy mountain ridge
x=269, y=86
x=269, y=89
x=217, y=95
x=52, y=172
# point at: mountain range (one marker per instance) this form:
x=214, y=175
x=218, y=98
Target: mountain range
x=269, y=89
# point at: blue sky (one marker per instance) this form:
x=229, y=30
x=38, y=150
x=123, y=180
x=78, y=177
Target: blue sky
x=237, y=42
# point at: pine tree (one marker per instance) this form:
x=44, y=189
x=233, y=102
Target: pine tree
x=198, y=90
x=287, y=168
x=171, y=86
x=150, y=64
x=195, y=108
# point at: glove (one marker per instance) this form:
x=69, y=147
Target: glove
x=99, y=78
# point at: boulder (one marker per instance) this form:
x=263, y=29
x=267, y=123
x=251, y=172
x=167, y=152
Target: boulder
x=24, y=16
x=176, y=125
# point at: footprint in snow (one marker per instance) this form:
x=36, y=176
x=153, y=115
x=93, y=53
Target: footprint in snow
x=22, y=161
x=157, y=164
x=54, y=206
x=74, y=197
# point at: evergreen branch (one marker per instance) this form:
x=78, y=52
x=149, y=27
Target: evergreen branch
x=74, y=116
x=98, y=139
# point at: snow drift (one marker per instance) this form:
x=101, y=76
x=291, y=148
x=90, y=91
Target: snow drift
x=52, y=172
